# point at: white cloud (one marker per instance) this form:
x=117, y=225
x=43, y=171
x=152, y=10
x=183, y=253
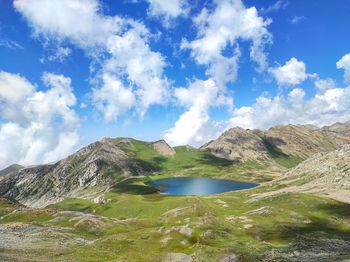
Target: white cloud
x=60, y=54
x=279, y=5
x=325, y=84
x=37, y=127
x=113, y=98
x=58, y=19
x=220, y=30
x=293, y=72
x=194, y=126
x=330, y=104
x=10, y=44
x=217, y=47
x=119, y=44
x=297, y=19
x=344, y=63
x=14, y=87
x=168, y=10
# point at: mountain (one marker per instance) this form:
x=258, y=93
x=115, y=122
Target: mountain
x=163, y=148
x=238, y=144
x=278, y=143
x=303, y=142
x=101, y=166
x=339, y=128
x=10, y=169
x=98, y=166
x=324, y=174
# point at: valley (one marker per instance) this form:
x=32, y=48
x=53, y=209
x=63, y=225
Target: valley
x=98, y=204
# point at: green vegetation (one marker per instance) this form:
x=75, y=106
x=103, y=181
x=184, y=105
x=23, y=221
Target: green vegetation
x=281, y=158
x=144, y=227
x=194, y=162
x=134, y=223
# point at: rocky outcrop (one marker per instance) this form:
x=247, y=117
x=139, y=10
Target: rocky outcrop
x=339, y=128
x=163, y=148
x=324, y=174
x=303, y=142
x=97, y=166
x=238, y=144
x=243, y=144
x=11, y=169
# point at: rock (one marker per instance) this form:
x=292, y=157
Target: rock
x=260, y=211
x=163, y=148
x=230, y=258
x=176, y=257
x=186, y=231
x=145, y=236
x=99, y=200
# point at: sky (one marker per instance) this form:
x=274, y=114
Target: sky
x=75, y=71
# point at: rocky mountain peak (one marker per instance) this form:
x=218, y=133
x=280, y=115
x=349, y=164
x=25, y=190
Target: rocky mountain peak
x=163, y=148
x=238, y=144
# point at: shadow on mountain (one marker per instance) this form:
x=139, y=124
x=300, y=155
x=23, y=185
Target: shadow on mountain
x=212, y=160
x=318, y=239
x=317, y=226
x=135, y=187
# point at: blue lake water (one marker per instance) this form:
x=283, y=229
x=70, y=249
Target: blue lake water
x=198, y=186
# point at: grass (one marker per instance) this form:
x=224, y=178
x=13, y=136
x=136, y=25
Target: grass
x=194, y=162
x=281, y=158
x=218, y=228
x=291, y=218
x=137, y=224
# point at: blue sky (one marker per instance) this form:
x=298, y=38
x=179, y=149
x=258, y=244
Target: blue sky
x=72, y=72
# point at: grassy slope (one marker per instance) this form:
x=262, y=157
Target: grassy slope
x=218, y=227
x=194, y=162
x=137, y=225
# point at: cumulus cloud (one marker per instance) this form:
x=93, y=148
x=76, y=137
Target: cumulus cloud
x=113, y=98
x=220, y=30
x=120, y=45
x=36, y=126
x=194, y=126
x=293, y=72
x=330, y=104
x=344, y=63
x=168, y=10
x=217, y=47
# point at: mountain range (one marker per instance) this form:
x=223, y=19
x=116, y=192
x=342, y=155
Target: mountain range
x=98, y=204
x=98, y=167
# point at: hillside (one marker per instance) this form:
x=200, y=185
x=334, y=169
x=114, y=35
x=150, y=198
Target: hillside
x=238, y=144
x=325, y=174
x=98, y=166
x=99, y=205
x=339, y=128
x=287, y=145
x=10, y=169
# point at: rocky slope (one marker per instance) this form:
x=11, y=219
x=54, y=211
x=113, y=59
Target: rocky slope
x=10, y=169
x=324, y=174
x=340, y=128
x=238, y=144
x=289, y=140
x=96, y=167
x=163, y=148
x=303, y=142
